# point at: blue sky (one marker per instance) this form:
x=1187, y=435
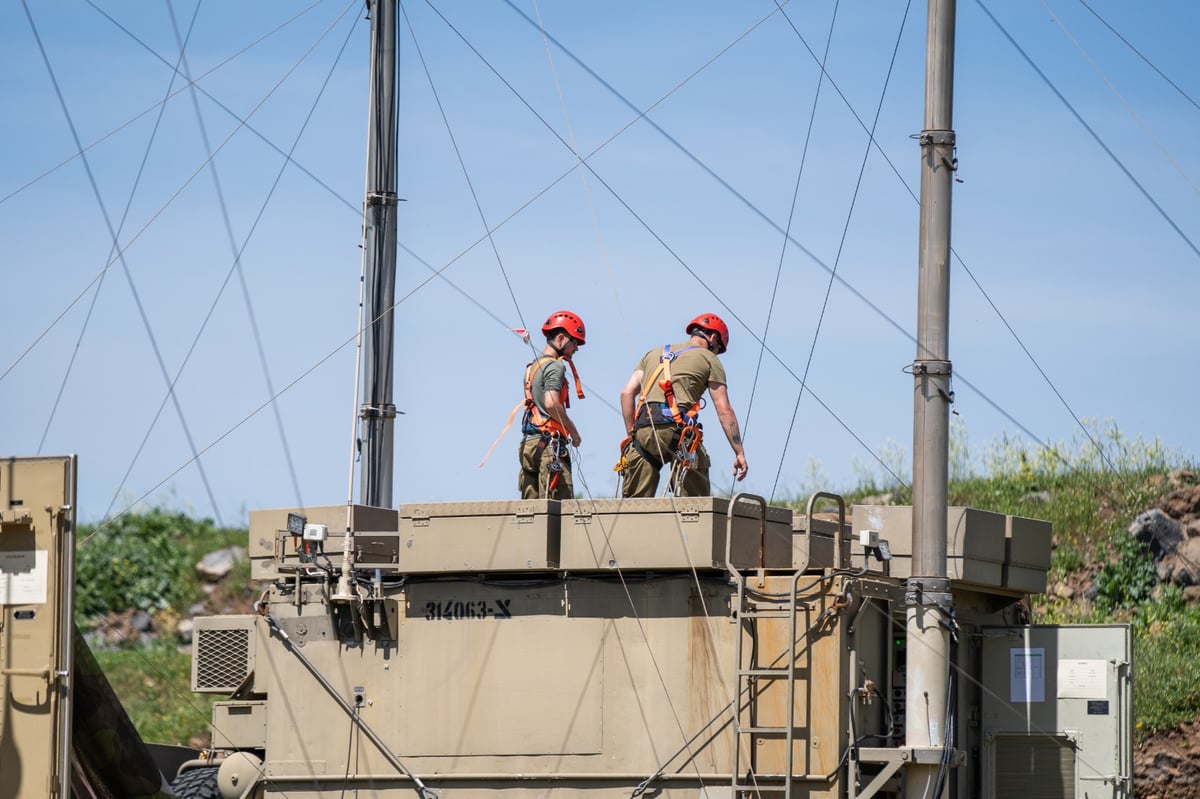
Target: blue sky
x=1096, y=282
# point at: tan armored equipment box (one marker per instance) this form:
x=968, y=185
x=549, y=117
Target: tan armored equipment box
x=816, y=549
x=1027, y=545
x=502, y=535
x=672, y=532
x=975, y=542
x=240, y=725
x=271, y=544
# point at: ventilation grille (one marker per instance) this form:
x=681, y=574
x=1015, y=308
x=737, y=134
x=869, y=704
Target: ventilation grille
x=1034, y=767
x=221, y=661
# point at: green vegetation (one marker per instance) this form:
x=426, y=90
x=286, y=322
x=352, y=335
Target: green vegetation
x=146, y=561
x=154, y=684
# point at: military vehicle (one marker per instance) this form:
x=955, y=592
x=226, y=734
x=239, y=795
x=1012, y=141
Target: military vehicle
x=671, y=647
x=683, y=646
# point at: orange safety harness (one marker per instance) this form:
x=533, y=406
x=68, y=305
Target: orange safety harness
x=690, y=433
x=534, y=421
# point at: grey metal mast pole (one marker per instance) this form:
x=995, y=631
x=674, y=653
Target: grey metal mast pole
x=928, y=599
x=377, y=414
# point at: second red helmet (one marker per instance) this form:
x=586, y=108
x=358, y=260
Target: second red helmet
x=714, y=323
x=567, y=321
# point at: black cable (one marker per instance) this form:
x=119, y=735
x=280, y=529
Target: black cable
x=1091, y=132
x=462, y=164
x=841, y=243
x=812, y=116
x=236, y=266
x=287, y=155
x=137, y=181
x=1139, y=54
x=238, y=251
x=158, y=356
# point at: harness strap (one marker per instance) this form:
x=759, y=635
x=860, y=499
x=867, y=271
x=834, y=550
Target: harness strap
x=534, y=417
x=664, y=369
x=544, y=424
x=652, y=460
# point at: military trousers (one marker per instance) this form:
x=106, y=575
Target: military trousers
x=541, y=459
x=641, y=475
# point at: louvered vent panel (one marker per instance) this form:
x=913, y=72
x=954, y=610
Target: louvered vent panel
x=221, y=659
x=1034, y=767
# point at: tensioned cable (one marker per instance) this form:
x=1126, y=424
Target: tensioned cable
x=687, y=742
x=125, y=268
x=812, y=116
x=145, y=659
x=137, y=181
x=462, y=164
x=853, y=291
x=1099, y=449
x=522, y=207
x=1140, y=55
x=587, y=190
x=253, y=413
x=1091, y=132
x=287, y=155
x=578, y=461
x=1120, y=98
x=842, y=242
x=81, y=151
x=879, y=311
x=817, y=260
x=642, y=116
x=352, y=208
x=1087, y=433
x=212, y=154
x=238, y=251
x=141, y=114
x=978, y=285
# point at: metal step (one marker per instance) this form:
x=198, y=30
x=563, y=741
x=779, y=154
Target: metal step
x=780, y=673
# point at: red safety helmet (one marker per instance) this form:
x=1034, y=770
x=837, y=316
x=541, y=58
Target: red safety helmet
x=714, y=323
x=568, y=322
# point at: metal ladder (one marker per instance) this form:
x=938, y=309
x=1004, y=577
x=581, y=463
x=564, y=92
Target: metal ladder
x=746, y=779
x=751, y=677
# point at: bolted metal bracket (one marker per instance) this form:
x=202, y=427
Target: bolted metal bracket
x=386, y=198
x=378, y=412
x=936, y=138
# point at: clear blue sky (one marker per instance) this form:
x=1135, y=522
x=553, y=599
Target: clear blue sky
x=1096, y=282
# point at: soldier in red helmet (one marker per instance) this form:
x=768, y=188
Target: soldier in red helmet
x=544, y=454
x=661, y=405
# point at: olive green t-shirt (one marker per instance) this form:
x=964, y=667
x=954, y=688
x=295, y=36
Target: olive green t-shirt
x=549, y=375
x=692, y=369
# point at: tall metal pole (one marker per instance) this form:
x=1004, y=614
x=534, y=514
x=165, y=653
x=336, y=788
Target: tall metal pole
x=927, y=598
x=377, y=414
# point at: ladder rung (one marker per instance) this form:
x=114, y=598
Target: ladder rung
x=782, y=673
x=769, y=731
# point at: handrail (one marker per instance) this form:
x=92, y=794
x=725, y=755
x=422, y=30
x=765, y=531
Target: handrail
x=762, y=530
x=841, y=552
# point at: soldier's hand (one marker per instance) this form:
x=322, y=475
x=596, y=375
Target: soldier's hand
x=576, y=439
x=739, y=467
